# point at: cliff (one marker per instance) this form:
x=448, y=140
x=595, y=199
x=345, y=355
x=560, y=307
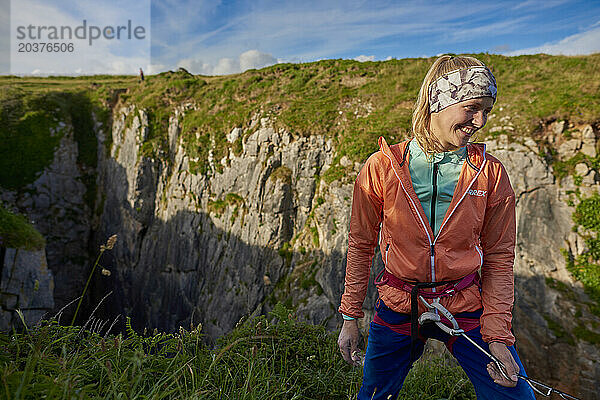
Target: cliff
x=26, y=283
x=232, y=193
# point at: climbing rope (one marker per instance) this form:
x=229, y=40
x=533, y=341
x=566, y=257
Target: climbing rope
x=434, y=309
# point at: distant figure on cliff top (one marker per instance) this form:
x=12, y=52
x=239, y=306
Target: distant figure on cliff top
x=141, y=75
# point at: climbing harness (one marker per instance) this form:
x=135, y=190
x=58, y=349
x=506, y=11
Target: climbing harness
x=434, y=309
x=416, y=289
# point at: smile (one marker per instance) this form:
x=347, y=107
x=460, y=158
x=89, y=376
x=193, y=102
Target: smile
x=467, y=131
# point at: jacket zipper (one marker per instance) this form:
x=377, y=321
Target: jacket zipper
x=434, y=196
x=432, y=218
x=387, y=247
x=432, y=242
x=480, y=255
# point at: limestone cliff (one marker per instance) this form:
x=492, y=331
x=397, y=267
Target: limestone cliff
x=26, y=285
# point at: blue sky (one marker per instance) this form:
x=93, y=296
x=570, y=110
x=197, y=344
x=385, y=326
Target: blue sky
x=213, y=36
x=220, y=37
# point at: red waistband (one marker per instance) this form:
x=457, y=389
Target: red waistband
x=386, y=278
x=465, y=324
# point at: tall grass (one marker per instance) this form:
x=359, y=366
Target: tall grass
x=269, y=357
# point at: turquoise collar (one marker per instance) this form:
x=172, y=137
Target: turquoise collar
x=456, y=156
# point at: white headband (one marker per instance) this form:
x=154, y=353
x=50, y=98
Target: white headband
x=460, y=85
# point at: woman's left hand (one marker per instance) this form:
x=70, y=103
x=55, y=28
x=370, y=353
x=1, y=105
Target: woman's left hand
x=501, y=352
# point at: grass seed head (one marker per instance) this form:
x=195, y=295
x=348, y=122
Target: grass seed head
x=111, y=242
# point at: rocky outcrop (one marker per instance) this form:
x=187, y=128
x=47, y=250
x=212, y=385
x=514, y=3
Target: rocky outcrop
x=55, y=203
x=26, y=284
x=212, y=247
x=547, y=296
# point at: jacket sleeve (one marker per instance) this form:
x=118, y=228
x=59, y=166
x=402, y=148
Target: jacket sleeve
x=498, y=241
x=367, y=206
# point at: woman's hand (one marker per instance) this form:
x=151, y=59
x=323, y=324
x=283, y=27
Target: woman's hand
x=501, y=352
x=348, y=342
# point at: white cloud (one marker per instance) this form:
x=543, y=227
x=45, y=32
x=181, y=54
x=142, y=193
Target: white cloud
x=226, y=65
x=255, y=59
x=104, y=56
x=582, y=43
x=363, y=58
x=314, y=29
x=538, y=4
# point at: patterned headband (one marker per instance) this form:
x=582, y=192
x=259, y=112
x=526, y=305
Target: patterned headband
x=461, y=85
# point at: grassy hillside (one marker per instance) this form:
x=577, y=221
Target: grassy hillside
x=354, y=102
x=349, y=101
x=263, y=358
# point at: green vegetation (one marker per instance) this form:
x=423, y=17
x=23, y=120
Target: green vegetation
x=232, y=199
x=315, y=236
x=35, y=114
x=557, y=329
x=350, y=102
x=17, y=233
x=286, y=252
x=273, y=357
x=586, y=267
x=29, y=135
x=282, y=174
x=217, y=206
x=582, y=333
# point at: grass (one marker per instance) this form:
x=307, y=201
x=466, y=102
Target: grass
x=561, y=334
x=16, y=232
x=350, y=102
x=35, y=113
x=274, y=357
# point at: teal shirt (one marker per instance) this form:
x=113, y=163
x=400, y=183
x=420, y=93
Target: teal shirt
x=447, y=167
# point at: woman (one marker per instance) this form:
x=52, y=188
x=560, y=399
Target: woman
x=443, y=213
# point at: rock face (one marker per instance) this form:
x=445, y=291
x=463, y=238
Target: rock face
x=55, y=203
x=206, y=247
x=542, y=314
x=26, y=284
x=261, y=226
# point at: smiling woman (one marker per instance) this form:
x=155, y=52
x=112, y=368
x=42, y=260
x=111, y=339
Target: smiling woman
x=442, y=211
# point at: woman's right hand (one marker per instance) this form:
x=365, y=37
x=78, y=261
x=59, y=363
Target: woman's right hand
x=348, y=342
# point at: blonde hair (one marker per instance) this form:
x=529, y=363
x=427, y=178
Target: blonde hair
x=421, y=114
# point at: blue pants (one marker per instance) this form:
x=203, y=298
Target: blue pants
x=387, y=360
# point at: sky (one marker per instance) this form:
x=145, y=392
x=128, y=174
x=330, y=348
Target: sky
x=215, y=37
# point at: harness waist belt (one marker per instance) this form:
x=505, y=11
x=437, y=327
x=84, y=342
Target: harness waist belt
x=416, y=289
x=389, y=279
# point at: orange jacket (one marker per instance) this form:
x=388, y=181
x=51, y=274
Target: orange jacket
x=478, y=231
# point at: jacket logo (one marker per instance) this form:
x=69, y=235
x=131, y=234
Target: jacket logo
x=479, y=193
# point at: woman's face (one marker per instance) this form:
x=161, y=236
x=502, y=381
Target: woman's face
x=455, y=124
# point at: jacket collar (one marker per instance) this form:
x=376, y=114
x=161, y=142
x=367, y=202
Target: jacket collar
x=398, y=156
x=475, y=153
